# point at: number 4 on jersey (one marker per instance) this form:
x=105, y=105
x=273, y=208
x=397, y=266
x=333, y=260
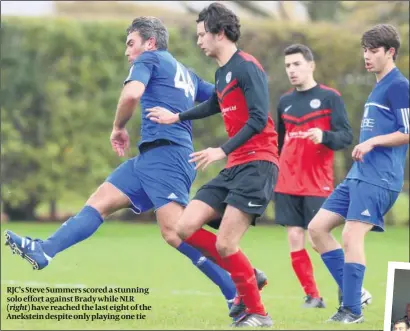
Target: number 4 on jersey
x=183, y=81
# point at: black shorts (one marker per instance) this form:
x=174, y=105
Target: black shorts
x=296, y=210
x=248, y=187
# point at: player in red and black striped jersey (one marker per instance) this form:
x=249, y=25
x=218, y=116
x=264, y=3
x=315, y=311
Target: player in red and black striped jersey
x=312, y=124
x=241, y=191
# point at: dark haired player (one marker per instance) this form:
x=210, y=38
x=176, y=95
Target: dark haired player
x=242, y=190
x=160, y=176
x=376, y=178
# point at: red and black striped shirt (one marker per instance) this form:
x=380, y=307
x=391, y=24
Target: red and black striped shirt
x=306, y=168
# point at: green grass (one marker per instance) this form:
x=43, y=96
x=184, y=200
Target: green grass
x=129, y=255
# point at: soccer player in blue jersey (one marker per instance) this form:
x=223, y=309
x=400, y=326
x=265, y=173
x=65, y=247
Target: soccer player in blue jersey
x=376, y=178
x=160, y=176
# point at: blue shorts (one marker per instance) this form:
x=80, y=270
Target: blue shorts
x=155, y=177
x=356, y=200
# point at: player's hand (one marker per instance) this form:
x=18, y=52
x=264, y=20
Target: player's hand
x=120, y=141
x=315, y=135
x=161, y=115
x=205, y=157
x=360, y=150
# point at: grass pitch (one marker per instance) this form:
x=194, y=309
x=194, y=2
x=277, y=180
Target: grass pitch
x=134, y=255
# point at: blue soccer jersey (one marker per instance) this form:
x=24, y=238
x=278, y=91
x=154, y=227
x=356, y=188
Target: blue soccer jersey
x=170, y=85
x=386, y=111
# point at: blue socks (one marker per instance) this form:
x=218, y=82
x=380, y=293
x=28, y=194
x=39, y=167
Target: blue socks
x=353, y=274
x=88, y=220
x=349, y=277
x=215, y=273
x=334, y=261
x=74, y=230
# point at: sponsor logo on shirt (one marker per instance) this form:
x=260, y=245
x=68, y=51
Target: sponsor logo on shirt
x=228, y=109
x=367, y=123
x=296, y=134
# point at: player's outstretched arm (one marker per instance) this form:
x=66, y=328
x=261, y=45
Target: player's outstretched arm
x=205, y=109
x=254, y=84
x=340, y=135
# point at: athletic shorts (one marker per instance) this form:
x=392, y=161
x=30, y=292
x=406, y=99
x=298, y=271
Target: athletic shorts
x=296, y=210
x=159, y=175
x=247, y=187
x=356, y=200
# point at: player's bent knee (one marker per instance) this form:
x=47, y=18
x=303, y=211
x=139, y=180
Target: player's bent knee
x=315, y=233
x=107, y=199
x=225, y=247
x=350, y=237
x=313, y=245
x=171, y=237
x=182, y=230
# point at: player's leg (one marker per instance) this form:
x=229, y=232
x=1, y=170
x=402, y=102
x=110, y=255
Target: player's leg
x=105, y=200
x=167, y=176
x=290, y=212
x=206, y=206
x=233, y=226
x=251, y=188
x=311, y=205
x=369, y=203
x=167, y=217
x=330, y=216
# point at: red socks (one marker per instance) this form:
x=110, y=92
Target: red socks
x=304, y=271
x=205, y=241
x=237, y=265
x=243, y=276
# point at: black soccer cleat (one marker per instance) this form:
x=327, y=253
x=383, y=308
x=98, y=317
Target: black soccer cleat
x=345, y=316
x=311, y=302
x=238, y=306
x=253, y=320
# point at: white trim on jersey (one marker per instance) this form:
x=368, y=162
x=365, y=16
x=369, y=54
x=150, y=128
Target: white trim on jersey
x=405, y=117
x=377, y=105
x=129, y=74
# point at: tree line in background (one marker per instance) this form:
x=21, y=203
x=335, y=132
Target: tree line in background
x=61, y=80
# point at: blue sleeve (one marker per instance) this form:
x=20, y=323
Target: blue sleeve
x=142, y=68
x=398, y=96
x=205, y=90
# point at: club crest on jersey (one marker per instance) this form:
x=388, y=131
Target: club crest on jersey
x=315, y=103
x=228, y=76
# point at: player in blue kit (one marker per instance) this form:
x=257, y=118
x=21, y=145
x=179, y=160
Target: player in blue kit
x=160, y=176
x=376, y=178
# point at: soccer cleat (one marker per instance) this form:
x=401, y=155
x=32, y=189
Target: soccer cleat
x=28, y=249
x=345, y=316
x=238, y=307
x=311, y=302
x=366, y=298
x=253, y=320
